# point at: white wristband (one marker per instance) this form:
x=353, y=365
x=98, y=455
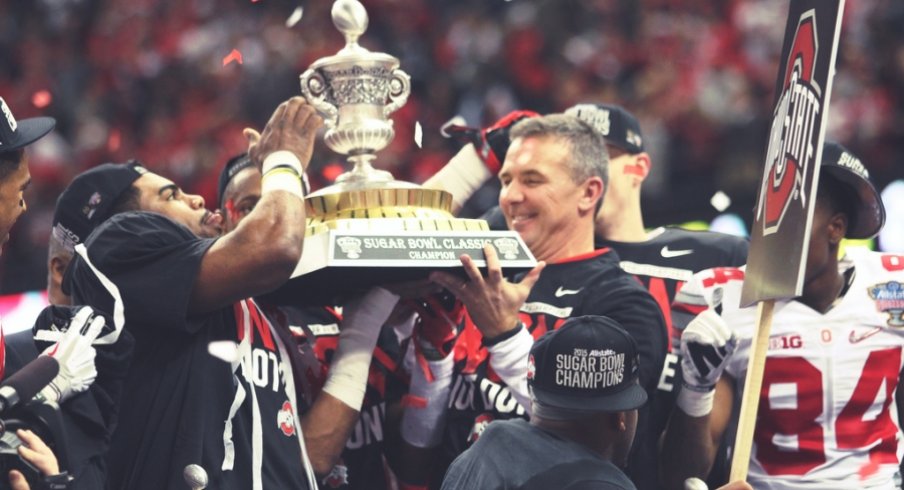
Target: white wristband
x=423, y=426
x=282, y=171
x=463, y=175
x=695, y=403
x=361, y=324
x=509, y=360
x=282, y=157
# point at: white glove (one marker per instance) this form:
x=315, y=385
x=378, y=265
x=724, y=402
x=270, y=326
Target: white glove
x=75, y=354
x=706, y=346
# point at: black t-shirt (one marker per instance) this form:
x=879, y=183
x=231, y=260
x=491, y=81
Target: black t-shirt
x=176, y=398
x=591, y=284
x=362, y=464
x=663, y=264
x=542, y=461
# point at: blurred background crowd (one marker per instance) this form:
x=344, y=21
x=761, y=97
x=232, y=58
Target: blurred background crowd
x=147, y=79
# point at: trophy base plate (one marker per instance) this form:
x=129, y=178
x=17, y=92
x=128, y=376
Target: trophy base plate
x=337, y=264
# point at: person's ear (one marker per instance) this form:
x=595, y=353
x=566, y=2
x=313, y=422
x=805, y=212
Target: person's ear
x=636, y=169
x=592, y=192
x=617, y=421
x=57, y=269
x=642, y=165
x=838, y=225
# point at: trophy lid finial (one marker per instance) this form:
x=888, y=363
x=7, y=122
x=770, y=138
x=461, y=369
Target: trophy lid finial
x=350, y=19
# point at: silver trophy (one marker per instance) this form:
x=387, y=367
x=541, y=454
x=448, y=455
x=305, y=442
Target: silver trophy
x=355, y=91
x=369, y=228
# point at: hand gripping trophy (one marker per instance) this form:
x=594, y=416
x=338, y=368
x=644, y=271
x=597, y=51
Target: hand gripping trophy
x=369, y=228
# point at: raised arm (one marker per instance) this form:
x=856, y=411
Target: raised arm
x=328, y=424
x=261, y=253
x=478, y=161
x=704, y=403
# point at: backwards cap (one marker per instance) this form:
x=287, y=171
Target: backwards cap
x=618, y=126
x=88, y=200
x=869, y=213
x=19, y=134
x=233, y=166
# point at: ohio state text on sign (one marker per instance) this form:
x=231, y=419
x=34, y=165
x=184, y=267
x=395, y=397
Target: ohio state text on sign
x=784, y=210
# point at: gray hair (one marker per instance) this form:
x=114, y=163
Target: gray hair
x=589, y=157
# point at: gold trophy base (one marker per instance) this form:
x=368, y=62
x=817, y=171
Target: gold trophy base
x=363, y=238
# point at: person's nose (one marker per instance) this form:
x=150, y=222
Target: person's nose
x=195, y=201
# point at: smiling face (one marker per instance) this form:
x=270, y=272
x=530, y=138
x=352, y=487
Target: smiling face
x=162, y=196
x=12, y=198
x=541, y=200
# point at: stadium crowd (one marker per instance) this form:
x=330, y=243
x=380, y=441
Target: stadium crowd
x=617, y=361
x=145, y=80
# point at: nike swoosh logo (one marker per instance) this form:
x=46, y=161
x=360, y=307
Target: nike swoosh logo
x=565, y=292
x=665, y=252
x=854, y=338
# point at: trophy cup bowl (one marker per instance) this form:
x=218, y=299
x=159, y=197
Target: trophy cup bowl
x=368, y=228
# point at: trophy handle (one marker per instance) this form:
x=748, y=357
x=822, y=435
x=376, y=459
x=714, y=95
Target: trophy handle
x=399, y=89
x=314, y=89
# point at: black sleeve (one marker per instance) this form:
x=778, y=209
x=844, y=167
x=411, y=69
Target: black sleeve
x=495, y=219
x=153, y=261
x=631, y=305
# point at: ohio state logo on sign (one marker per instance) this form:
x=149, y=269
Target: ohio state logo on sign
x=791, y=153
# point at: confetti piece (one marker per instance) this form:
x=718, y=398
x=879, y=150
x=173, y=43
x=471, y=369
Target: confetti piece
x=224, y=350
x=720, y=201
x=235, y=55
x=331, y=171
x=418, y=134
x=414, y=401
x=453, y=126
x=41, y=99
x=114, y=140
x=295, y=17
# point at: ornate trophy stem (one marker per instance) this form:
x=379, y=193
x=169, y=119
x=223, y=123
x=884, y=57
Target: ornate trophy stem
x=363, y=172
x=355, y=91
x=368, y=228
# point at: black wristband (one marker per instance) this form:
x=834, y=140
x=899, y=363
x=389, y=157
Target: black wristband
x=58, y=482
x=489, y=342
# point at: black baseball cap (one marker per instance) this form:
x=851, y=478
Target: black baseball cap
x=618, y=126
x=88, y=200
x=19, y=134
x=589, y=364
x=233, y=166
x=869, y=212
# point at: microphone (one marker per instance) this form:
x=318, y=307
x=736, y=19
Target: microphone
x=195, y=477
x=695, y=484
x=24, y=384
